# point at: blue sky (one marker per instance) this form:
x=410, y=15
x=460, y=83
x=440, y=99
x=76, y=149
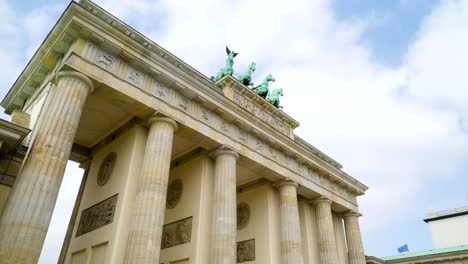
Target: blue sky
x=388, y=38
x=384, y=84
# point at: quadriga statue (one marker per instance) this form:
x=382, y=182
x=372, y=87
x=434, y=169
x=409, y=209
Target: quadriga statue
x=246, y=78
x=228, y=69
x=274, y=97
x=262, y=89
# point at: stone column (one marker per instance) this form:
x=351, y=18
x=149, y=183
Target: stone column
x=144, y=241
x=27, y=215
x=326, y=235
x=353, y=238
x=291, y=244
x=224, y=220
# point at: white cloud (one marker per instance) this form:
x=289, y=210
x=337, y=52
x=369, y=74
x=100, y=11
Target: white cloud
x=386, y=125
x=438, y=60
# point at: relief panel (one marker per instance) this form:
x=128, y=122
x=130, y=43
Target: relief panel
x=97, y=216
x=176, y=233
x=246, y=251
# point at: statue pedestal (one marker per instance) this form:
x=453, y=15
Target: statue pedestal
x=244, y=97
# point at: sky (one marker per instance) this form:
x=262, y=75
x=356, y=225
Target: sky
x=381, y=86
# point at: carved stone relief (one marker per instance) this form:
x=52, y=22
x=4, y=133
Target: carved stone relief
x=205, y=115
x=160, y=90
x=176, y=233
x=97, y=216
x=174, y=193
x=107, y=166
x=134, y=76
x=246, y=251
x=243, y=135
x=224, y=126
x=243, y=215
x=183, y=103
x=260, y=113
x=106, y=60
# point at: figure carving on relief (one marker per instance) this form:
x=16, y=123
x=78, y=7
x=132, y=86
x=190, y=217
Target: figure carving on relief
x=135, y=77
x=205, y=114
x=273, y=153
x=106, y=60
x=166, y=240
x=181, y=233
x=174, y=193
x=224, y=126
x=160, y=90
x=246, y=251
x=243, y=135
x=107, y=166
x=183, y=103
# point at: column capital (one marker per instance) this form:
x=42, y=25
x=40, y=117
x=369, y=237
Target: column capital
x=352, y=213
x=286, y=182
x=224, y=150
x=321, y=199
x=156, y=119
x=78, y=75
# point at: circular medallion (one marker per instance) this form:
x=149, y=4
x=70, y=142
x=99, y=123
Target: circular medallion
x=107, y=166
x=243, y=215
x=174, y=192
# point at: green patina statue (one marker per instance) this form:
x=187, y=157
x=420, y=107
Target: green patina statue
x=274, y=97
x=228, y=68
x=246, y=78
x=262, y=89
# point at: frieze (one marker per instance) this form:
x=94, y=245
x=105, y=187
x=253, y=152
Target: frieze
x=209, y=117
x=260, y=113
x=246, y=251
x=97, y=216
x=176, y=233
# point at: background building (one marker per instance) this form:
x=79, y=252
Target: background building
x=449, y=228
x=449, y=231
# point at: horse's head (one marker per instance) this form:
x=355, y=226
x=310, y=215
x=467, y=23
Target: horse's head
x=252, y=66
x=270, y=78
x=231, y=54
x=278, y=91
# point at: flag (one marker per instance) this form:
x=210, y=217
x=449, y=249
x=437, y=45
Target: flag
x=403, y=248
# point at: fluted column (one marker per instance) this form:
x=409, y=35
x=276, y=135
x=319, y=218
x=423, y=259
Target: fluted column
x=353, y=238
x=326, y=236
x=224, y=221
x=144, y=241
x=291, y=244
x=27, y=215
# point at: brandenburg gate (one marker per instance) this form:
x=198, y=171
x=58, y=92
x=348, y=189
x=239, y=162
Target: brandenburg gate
x=178, y=168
